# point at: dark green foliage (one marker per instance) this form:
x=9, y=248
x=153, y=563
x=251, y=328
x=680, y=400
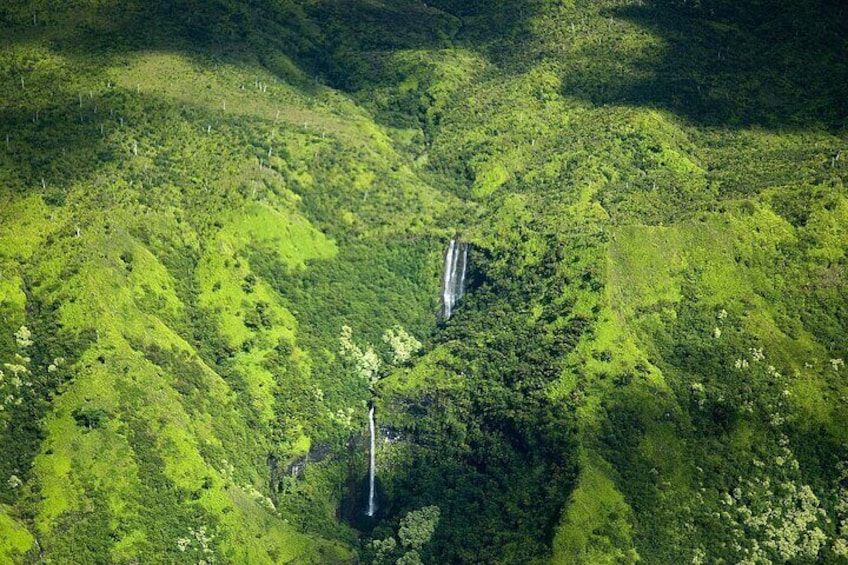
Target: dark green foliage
x=85, y=541
x=494, y=453
x=90, y=418
x=50, y=342
x=392, y=277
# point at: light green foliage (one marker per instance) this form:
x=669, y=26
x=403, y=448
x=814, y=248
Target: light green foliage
x=366, y=362
x=414, y=532
x=595, y=527
x=787, y=527
x=23, y=337
x=403, y=344
x=840, y=544
x=16, y=381
x=383, y=548
x=409, y=558
x=15, y=540
x=417, y=527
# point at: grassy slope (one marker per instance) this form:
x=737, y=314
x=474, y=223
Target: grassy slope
x=174, y=428
x=167, y=174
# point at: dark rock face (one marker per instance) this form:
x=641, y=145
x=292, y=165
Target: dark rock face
x=318, y=453
x=294, y=468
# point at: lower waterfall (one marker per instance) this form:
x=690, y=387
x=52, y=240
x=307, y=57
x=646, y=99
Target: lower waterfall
x=372, y=497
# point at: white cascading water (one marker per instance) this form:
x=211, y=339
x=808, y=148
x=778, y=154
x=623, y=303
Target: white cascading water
x=447, y=287
x=453, y=284
x=372, y=497
x=462, y=276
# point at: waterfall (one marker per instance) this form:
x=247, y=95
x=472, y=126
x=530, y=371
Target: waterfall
x=372, y=498
x=453, y=283
x=447, y=287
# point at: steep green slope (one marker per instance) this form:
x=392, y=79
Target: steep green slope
x=664, y=184
x=156, y=198
x=648, y=366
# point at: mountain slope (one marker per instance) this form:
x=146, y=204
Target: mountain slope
x=161, y=374
x=671, y=226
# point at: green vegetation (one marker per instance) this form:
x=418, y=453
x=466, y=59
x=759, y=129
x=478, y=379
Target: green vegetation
x=200, y=198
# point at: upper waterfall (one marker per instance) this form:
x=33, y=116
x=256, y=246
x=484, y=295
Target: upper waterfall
x=453, y=282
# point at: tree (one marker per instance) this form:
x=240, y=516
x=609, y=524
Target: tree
x=367, y=362
x=416, y=529
x=402, y=343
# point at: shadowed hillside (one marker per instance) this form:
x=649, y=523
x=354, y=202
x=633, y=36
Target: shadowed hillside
x=778, y=65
